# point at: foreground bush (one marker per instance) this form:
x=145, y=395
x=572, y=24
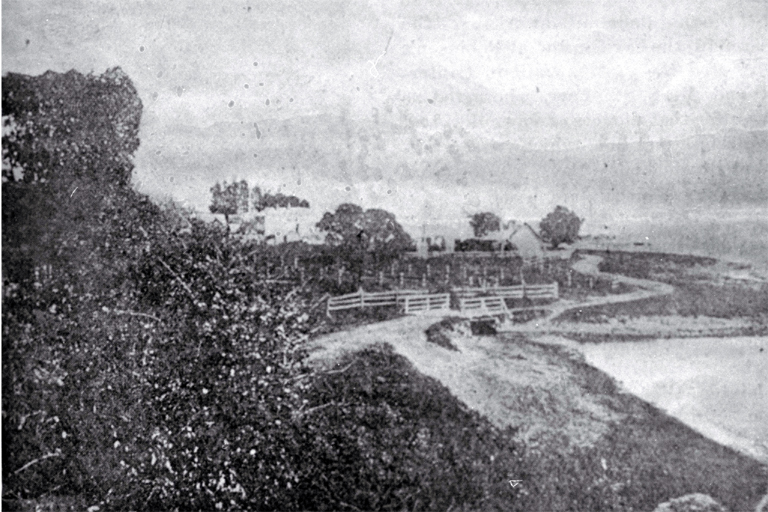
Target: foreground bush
x=378, y=435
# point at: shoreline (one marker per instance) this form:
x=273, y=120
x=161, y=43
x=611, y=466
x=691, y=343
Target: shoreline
x=700, y=418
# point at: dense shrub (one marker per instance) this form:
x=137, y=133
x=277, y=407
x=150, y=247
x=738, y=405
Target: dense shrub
x=649, y=265
x=146, y=367
x=380, y=436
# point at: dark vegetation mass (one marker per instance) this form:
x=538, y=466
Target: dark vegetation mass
x=560, y=226
x=149, y=363
x=153, y=362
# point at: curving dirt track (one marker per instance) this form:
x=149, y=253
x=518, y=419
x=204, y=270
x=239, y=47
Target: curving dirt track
x=589, y=265
x=499, y=380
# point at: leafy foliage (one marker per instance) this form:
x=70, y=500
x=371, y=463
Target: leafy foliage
x=234, y=198
x=484, y=222
x=356, y=232
x=69, y=124
x=262, y=201
x=560, y=226
x=150, y=367
x=229, y=198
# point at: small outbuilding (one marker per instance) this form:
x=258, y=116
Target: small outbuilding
x=528, y=242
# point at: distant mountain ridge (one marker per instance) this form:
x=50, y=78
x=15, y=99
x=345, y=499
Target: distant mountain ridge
x=307, y=154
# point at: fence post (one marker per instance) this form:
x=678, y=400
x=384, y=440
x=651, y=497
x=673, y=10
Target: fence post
x=464, y=273
x=301, y=276
x=381, y=278
x=570, y=279
x=423, y=280
x=402, y=280
x=591, y=282
x=295, y=262
x=428, y=270
x=501, y=275
x=410, y=269
x=341, y=272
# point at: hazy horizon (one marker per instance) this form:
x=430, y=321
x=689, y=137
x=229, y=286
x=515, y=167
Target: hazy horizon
x=432, y=112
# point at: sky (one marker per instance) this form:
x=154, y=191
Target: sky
x=431, y=110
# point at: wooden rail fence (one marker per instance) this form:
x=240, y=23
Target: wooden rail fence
x=474, y=307
x=530, y=291
x=415, y=304
x=470, y=301
x=411, y=301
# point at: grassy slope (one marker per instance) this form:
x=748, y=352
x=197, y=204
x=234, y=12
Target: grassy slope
x=410, y=444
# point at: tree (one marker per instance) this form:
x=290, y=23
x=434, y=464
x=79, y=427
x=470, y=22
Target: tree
x=70, y=124
x=229, y=199
x=560, y=226
x=68, y=141
x=484, y=222
x=262, y=201
x=356, y=232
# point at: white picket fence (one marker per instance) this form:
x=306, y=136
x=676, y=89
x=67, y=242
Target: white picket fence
x=474, y=307
x=411, y=301
x=530, y=291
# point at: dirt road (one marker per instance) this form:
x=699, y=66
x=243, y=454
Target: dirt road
x=513, y=383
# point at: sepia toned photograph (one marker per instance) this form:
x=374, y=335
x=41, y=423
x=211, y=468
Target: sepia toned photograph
x=367, y=255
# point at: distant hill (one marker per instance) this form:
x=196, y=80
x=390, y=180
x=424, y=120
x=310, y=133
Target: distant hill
x=311, y=156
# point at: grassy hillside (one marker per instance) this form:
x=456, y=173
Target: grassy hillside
x=390, y=438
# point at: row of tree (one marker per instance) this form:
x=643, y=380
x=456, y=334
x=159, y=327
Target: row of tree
x=236, y=197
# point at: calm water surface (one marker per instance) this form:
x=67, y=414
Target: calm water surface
x=718, y=386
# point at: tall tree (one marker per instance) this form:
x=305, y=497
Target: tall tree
x=70, y=124
x=230, y=198
x=356, y=232
x=484, y=222
x=560, y=226
x=242, y=197
x=68, y=142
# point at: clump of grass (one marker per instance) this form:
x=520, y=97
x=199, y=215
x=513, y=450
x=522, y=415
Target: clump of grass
x=438, y=333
